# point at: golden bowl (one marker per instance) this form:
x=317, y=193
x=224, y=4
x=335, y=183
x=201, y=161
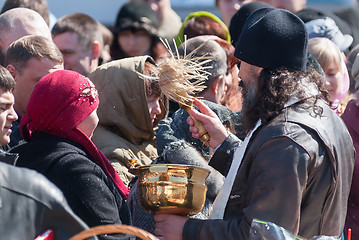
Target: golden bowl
x=171, y=188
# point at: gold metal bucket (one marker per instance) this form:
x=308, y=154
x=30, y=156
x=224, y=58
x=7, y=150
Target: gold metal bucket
x=171, y=188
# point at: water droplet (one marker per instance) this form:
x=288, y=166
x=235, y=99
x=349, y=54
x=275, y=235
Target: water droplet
x=267, y=226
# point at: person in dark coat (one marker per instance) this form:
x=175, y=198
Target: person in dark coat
x=61, y=117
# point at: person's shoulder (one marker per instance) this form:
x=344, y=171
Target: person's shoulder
x=289, y=125
x=71, y=157
x=305, y=124
x=49, y=150
x=29, y=183
x=58, y=145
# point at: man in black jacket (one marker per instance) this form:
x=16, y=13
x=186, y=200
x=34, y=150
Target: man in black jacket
x=295, y=166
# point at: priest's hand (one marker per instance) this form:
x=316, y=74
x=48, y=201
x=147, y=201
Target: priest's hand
x=169, y=227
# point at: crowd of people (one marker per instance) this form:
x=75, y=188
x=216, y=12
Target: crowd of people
x=81, y=103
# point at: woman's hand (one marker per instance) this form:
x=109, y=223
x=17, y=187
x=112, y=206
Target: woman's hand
x=211, y=122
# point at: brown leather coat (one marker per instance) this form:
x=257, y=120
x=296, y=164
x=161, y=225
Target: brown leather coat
x=296, y=173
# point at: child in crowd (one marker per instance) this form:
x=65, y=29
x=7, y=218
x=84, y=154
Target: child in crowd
x=331, y=59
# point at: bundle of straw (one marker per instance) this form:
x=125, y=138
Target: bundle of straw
x=181, y=78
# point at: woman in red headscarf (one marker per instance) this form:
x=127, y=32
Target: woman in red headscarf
x=61, y=117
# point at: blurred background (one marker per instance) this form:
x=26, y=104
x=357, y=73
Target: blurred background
x=105, y=10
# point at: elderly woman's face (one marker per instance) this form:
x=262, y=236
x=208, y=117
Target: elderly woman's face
x=89, y=124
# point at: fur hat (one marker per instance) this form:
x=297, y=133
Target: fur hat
x=136, y=16
x=326, y=27
x=273, y=39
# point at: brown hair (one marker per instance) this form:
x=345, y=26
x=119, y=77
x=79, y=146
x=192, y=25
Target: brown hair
x=106, y=33
x=87, y=29
x=229, y=49
x=7, y=82
x=233, y=97
x=32, y=46
x=152, y=85
x=203, y=25
x=153, y=89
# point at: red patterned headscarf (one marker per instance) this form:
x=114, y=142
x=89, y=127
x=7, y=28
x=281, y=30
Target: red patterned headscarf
x=60, y=101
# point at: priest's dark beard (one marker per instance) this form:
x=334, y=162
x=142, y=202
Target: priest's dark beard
x=266, y=100
x=249, y=101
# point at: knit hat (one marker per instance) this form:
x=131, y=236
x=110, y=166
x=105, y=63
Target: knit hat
x=60, y=101
x=273, y=39
x=136, y=15
x=240, y=17
x=326, y=27
x=67, y=98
